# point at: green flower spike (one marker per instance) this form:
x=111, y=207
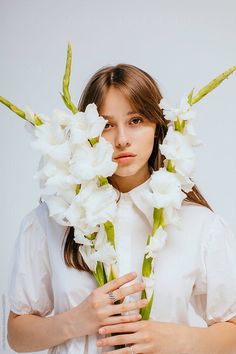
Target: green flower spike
x=19, y=112
x=210, y=86
x=66, y=82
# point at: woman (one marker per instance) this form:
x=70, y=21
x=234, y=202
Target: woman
x=196, y=266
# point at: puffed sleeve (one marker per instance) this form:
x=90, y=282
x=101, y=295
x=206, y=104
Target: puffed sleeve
x=214, y=295
x=30, y=289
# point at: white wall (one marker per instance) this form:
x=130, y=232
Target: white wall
x=183, y=44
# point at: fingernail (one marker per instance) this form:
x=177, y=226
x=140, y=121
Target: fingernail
x=101, y=330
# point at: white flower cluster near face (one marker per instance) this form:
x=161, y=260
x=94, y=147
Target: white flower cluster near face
x=169, y=183
x=71, y=166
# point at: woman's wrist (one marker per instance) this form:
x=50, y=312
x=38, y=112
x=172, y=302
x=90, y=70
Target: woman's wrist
x=74, y=323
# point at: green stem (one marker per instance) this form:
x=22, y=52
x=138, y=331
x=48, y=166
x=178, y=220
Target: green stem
x=145, y=311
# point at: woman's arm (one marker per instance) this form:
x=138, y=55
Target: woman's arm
x=27, y=333
x=219, y=338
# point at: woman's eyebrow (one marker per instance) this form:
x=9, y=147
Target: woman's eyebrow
x=111, y=117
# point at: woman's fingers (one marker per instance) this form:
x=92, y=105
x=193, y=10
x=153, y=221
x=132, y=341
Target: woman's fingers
x=121, y=293
x=117, y=283
x=129, y=306
x=119, y=340
x=112, y=320
x=128, y=327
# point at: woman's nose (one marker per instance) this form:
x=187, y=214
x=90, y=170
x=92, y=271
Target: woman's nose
x=122, y=139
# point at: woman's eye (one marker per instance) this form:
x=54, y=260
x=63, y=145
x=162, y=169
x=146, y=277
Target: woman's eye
x=136, y=120
x=107, y=126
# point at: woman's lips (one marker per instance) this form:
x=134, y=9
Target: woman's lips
x=125, y=159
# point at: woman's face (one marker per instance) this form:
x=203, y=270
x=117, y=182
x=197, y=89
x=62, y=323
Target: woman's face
x=132, y=138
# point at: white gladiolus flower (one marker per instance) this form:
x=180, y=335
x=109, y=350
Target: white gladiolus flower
x=87, y=254
x=150, y=283
x=82, y=239
x=91, y=207
x=190, y=134
x=103, y=251
x=166, y=190
x=88, y=162
x=52, y=141
x=61, y=118
x=157, y=242
x=55, y=174
x=186, y=183
x=86, y=125
x=57, y=208
x=175, y=147
x=183, y=112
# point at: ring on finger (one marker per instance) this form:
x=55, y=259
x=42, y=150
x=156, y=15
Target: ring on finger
x=112, y=296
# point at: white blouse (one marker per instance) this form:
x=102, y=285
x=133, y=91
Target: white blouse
x=197, y=266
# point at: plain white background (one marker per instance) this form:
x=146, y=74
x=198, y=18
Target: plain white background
x=182, y=44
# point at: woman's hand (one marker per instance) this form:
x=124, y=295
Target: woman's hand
x=98, y=309
x=151, y=337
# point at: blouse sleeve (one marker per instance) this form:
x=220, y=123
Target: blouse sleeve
x=30, y=290
x=214, y=295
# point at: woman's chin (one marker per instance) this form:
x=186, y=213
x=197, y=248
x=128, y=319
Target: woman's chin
x=125, y=171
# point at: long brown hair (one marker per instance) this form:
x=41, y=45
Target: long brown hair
x=144, y=96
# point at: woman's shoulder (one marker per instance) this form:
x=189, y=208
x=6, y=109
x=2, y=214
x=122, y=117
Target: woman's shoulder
x=210, y=222
x=196, y=212
x=39, y=216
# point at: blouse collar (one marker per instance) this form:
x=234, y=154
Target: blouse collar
x=136, y=196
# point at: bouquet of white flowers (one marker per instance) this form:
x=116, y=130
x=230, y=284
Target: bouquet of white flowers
x=76, y=161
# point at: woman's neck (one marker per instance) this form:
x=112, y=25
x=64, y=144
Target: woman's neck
x=126, y=183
